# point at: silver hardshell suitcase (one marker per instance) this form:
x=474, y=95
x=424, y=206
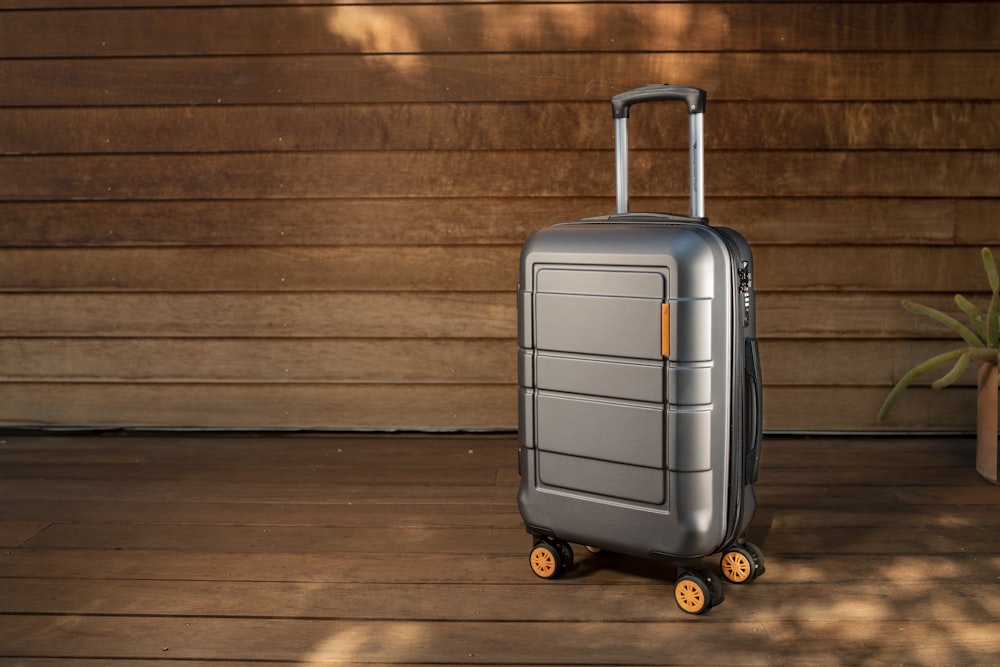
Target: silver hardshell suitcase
x=640, y=392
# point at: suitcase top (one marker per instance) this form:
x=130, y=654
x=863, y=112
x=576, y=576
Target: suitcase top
x=694, y=255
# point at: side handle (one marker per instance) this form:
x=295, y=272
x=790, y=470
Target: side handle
x=754, y=410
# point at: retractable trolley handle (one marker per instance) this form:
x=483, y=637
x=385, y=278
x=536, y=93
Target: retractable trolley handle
x=694, y=100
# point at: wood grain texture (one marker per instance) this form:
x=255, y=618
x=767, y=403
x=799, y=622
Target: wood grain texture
x=213, y=213
x=434, y=407
x=254, y=315
x=486, y=27
x=410, y=550
x=457, y=268
x=826, y=76
x=480, y=221
x=806, y=124
x=433, y=315
x=789, y=362
x=957, y=174
x=341, y=360
x=247, y=406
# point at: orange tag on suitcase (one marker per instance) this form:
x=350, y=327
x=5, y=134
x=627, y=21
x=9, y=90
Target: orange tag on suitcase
x=665, y=329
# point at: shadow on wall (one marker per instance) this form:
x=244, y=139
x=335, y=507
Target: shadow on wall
x=531, y=29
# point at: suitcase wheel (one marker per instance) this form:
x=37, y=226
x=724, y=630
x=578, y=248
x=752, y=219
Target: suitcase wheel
x=696, y=592
x=758, y=557
x=566, y=551
x=742, y=564
x=551, y=559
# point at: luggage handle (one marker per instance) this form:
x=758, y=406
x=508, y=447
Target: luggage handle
x=753, y=393
x=694, y=99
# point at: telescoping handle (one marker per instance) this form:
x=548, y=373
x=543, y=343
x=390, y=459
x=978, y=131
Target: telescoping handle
x=694, y=99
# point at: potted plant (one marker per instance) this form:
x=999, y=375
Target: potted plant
x=982, y=340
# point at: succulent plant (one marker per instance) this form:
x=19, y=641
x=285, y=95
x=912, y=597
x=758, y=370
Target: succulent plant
x=981, y=338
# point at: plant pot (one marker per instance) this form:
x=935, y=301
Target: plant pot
x=986, y=423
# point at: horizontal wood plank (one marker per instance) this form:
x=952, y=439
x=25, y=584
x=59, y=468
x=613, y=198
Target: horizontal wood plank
x=419, y=493
x=387, y=642
x=444, y=569
x=852, y=534
x=873, y=315
x=269, y=315
x=194, y=215
x=227, y=452
x=800, y=409
x=316, y=406
x=951, y=75
x=867, y=541
x=749, y=125
x=457, y=268
x=480, y=221
x=429, y=406
x=955, y=642
x=838, y=362
x=442, y=28
x=509, y=603
x=472, y=174
x=428, y=314
x=786, y=362
x=259, y=360
x=354, y=269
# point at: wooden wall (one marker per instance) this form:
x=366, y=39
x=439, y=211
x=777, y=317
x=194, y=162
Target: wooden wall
x=278, y=214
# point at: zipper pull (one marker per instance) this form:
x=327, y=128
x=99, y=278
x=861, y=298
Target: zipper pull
x=746, y=287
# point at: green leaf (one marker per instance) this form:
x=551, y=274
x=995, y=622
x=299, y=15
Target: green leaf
x=993, y=323
x=991, y=270
x=975, y=315
x=916, y=372
x=952, y=375
x=970, y=337
x=993, y=314
x=984, y=355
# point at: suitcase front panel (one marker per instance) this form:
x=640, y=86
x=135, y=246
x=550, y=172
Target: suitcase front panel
x=604, y=312
x=603, y=325
x=608, y=377
x=643, y=485
x=617, y=431
x=600, y=378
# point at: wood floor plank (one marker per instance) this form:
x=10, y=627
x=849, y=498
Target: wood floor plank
x=265, y=492
x=530, y=600
x=389, y=642
x=15, y=532
x=153, y=662
x=256, y=539
x=863, y=642
x=348, y=549
x=832, y=569
x=359, y=513
x=307, y=475
x=208, y=566
x=270, y=450
x=889, y=538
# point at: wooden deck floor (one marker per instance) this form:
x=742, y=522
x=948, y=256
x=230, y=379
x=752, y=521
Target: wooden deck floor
x=173, y=550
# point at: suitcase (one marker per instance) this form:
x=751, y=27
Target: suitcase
x=639, y=384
